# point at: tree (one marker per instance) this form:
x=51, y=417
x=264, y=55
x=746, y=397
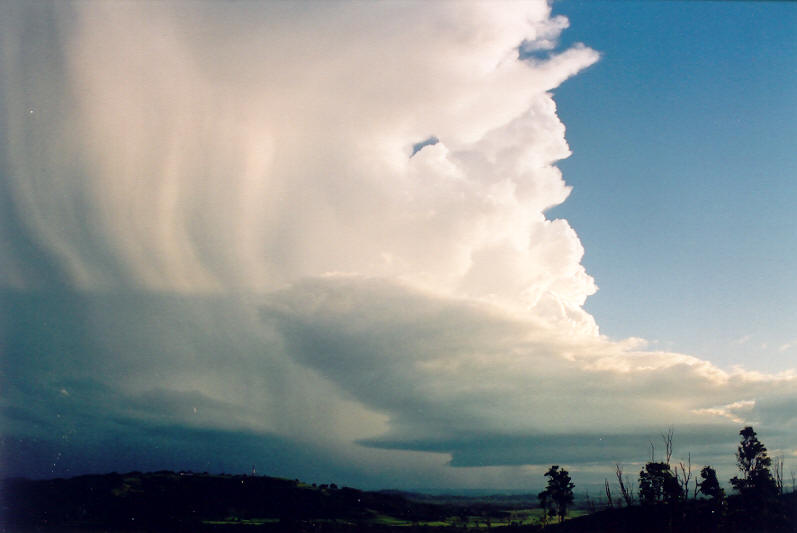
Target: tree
x=709, y=485
x=686, y=473
x=626, y=492
x=667, y=438
x=558, y=495
x=779, y=474
x=608, y=489
x=658, y=484
x=589, y=502
x=754, y=464
x=758, y=488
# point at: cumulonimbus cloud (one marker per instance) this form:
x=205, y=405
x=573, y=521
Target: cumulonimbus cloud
x=181, y=150
x=226, y=220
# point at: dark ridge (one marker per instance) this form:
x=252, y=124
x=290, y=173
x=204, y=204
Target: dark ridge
x=190, y=501
x=201, y=502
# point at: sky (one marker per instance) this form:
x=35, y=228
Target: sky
x=683, y=172
x=395, y=245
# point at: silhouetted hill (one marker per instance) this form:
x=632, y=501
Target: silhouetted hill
x=164, y=499
x=169, y=501
x=694, y=516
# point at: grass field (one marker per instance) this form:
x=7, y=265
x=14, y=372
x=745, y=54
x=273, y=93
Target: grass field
x=501, y=518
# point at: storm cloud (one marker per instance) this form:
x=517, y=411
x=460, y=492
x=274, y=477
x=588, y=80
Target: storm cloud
x=228, y=239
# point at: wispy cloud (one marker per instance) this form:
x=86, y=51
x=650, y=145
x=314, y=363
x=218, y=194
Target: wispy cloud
x=731, y=411
x=787, y=346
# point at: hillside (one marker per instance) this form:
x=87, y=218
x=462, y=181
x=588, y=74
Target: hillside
x=693, y=516
x=185, y=501
x=168, y=500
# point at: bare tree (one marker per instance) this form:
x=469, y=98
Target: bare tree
x=608, y=492
x=686, y=472
x=667, y=438
x=624, y=491
x=590, y=502
x=630, y=485
x=652, y=452
x=778, y=472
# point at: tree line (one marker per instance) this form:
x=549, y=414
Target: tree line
x=757, y=486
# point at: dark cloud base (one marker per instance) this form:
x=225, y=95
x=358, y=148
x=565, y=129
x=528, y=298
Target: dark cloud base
x=147, y=448
x=474, y=449
x=96, y=382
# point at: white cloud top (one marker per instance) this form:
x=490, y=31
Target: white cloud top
x=185, y=149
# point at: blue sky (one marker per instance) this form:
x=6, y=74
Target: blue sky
x=221, y=223
x=683, y=173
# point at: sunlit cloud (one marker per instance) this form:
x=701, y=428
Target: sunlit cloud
x=732, y=411
x=215, y=167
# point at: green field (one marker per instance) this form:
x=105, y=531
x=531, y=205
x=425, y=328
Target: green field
x=496, y=518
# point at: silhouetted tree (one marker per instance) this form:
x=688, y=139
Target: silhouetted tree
x=589, y=502
x=658, y=484
x=778, y=472
x=626, y=492
x=667, y=438
x=759, y=505
x=686, y=476
x=558, y=495
x=754, y=464
x=709, y=485
x=608, y=490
